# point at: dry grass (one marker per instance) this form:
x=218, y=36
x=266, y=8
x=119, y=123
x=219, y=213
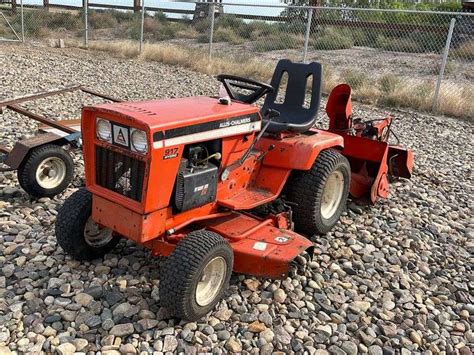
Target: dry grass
x=356, y=79
x=3, y=29
x=388, y=91
x=453, y=100
x=412, y=94
x=367, y=94
x=122, y=49
x=330, y=80
x=464, y=51
x=189, y=58
x=456, y=101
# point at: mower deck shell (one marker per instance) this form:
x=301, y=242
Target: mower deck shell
x=260, y=247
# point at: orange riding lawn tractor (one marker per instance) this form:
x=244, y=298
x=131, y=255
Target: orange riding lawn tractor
x=218, y=185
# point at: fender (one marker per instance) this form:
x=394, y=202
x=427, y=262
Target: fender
x=22, y=148
x=298, y=152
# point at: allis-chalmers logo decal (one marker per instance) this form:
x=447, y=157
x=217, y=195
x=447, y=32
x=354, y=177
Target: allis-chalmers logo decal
x=121, y=135
x=235, y=122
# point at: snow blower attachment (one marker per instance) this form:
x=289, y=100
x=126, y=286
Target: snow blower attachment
x=219, y=186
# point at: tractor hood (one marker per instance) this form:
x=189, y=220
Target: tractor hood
x=170, y=114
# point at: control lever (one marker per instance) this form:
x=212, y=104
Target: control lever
x=270, y=113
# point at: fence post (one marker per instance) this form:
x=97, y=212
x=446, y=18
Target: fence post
x=22, y=22
x=211, y=35
x=308, y=32
x=85, y=5
x=443, y=64
x=142, y=25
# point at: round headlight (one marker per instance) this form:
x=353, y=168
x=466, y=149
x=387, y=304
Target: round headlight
x=139, y=141
x=104, y=130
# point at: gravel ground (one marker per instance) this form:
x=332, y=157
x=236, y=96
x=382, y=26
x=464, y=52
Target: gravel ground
x=393, y=278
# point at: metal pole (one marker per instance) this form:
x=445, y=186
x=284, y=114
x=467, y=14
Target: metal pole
x=308, y=31
x=443, y=64
x=211, y=35
x=86, y=23
x=22, y=22
x=142, y=25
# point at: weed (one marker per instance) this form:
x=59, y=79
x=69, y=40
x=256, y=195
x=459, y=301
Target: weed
x=355, y=78
x=389, y=83
x=331, y=39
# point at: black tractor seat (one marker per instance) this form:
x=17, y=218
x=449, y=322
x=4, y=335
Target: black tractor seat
x=294, y=116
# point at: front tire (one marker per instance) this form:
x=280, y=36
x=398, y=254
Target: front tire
x=77, y=233
x=196, y=274
x=46, y=171
x=318, y=196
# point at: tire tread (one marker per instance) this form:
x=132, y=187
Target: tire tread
x=304, y=189
x=27, y=170
x=177, y=273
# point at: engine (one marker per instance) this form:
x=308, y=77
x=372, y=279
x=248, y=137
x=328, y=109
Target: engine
x=196, y=181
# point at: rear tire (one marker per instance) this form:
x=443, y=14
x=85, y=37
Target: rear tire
x=319, y=194
x=196, y=274
x=77, y=234
x=46, y=171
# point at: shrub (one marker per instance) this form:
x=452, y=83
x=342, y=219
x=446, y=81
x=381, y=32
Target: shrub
x=330, y=79
x=355, y=78
x=332, y=39
x=123, y=16
x=55, y=20
x=295, y=27
x=4, y=30
x=362, y=37
x=222, y=34
x=186, y=32
x=155, y=29
x=406, y=45
x=464, y=51
x=160, y=16
x=203, y=25
x=230, y=21
x=226, y=34
x=412, y=94
x=281, y=41
x=102, y=19
x=428, y=42
x=258, y=29
x=367, y=94
x=389, y=83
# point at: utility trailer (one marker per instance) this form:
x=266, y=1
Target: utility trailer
x=44, y=166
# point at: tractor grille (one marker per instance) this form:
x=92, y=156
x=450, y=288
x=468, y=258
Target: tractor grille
x=119, y=173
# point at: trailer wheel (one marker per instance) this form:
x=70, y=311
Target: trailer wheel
x=77, y=233
x=320, y=194
x=196, y=274
x=46, y=171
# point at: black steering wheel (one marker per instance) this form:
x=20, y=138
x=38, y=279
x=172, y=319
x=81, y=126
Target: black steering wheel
x=256, y=89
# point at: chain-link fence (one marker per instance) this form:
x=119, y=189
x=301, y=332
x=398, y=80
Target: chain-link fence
x=417, y=59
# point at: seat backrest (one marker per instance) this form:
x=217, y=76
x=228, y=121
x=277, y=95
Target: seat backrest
x=294, y=114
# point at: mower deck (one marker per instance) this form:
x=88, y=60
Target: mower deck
x=260, y=247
